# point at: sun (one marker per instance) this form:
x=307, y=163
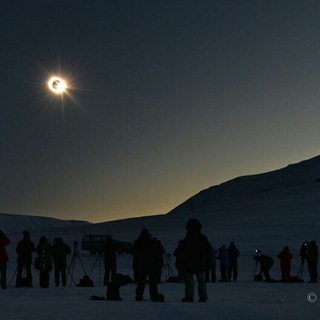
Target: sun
x=57, y=85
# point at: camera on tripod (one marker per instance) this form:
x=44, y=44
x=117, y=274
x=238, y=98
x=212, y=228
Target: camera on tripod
x=75, y=246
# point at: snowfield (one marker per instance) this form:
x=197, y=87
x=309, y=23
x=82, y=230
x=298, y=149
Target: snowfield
x=265, y=217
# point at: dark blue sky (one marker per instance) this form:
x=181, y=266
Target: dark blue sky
x=165, y=98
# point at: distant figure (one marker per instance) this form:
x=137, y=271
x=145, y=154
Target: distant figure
x=195, y=251
x=223, y=256
x=304, y=251
x=266, y=264
x=312, y=261
x=59, y=252
x=179, y=262
x=44, y=261
x=145, y=266
x=4, y=241
x=110, y=261
x=211, y=268
x=24, y=249
x=285, y=263
x=233, y=262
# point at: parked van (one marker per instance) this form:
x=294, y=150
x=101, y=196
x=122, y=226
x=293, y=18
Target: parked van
x=96, y=243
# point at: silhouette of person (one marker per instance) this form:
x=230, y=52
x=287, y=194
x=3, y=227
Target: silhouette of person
x=285, y=257
x=59, y=252
x=223, y=256
x=145, y=266
x=4, y=241
x=211, y=269
x=266, y=264
x=312, y=261
x=110, y=261
x=44, y=264
x=24, y=249
x=233, y=262
x=195, y=251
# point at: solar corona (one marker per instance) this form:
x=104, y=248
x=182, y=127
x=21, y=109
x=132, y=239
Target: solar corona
x=57, y=85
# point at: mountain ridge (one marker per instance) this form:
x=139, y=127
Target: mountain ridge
x=303, y=172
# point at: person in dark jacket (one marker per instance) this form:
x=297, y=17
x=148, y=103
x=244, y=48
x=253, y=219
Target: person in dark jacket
x=233, y=262
x=195, y=251
x=266, y=264
x=312, y=261
x=223, y=256
x=4, y=241
x=285, y=263
x=110, y=261
x=145, y=266
x=44, y=261
x=24, y=249
x=304, y=251
x=211, y=268
x=59, y=252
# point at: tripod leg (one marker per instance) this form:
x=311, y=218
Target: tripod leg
x=70, y=271
x=254, y=270
x=14, y=274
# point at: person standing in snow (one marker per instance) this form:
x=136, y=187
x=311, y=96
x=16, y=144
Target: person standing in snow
x=233, y=262
x=44, y=261
x=110, y=261
x=24, y=249
x=211, y=268
x=285, y=263
x=223, y=256
x=59, y=252
x=312, y=261
x=145, y=266
x=4, y=241
x=195, y=253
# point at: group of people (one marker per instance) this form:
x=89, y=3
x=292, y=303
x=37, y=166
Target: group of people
x=195, y=257
x=308, y=254
x=49, y=256
x=228, y=258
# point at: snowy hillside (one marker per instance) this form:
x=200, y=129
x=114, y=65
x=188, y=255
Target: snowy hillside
x=11, y=223
x=303, y=173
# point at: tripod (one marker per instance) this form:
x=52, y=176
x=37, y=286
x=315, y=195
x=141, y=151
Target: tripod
x=99, y=258
x=15, y=273
x=73, y=262
x=167, y=267
x=300, y=271
x=254, y=270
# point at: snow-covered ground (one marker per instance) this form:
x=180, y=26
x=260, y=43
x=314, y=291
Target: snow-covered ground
x=284, y=215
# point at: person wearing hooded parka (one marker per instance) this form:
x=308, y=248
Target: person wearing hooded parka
x=195, y=256
x=145, y=266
